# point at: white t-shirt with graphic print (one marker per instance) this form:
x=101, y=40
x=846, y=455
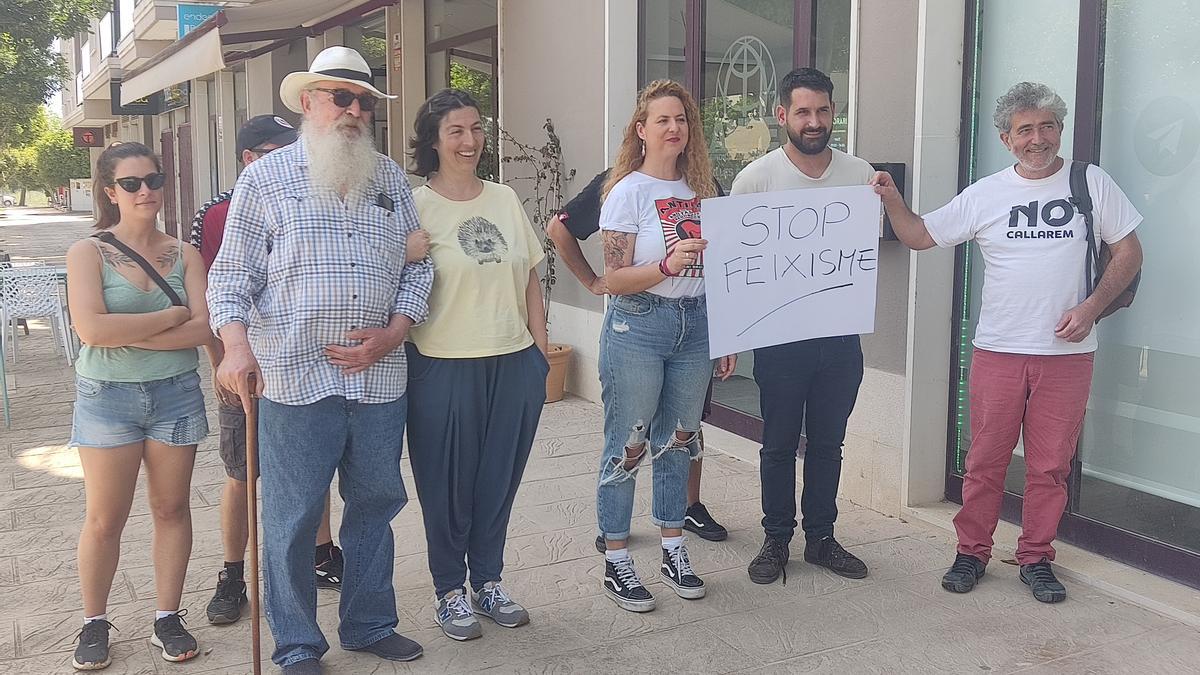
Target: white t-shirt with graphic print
x=660, y=212
x=1034, y=246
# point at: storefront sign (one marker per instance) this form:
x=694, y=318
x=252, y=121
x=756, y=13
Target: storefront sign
x=88, y=137
x=191, y=16
x=791, y=265
x=149, y=105
x=178, y=96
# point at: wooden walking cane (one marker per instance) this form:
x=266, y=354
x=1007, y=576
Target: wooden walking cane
x=252, y=521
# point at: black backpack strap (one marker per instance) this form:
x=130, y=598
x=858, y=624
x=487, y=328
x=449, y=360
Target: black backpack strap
x=108, y=238
x=1083, y=202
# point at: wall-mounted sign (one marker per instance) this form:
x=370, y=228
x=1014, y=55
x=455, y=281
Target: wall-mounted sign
x=191, y=16
x=176, y=96
x=88, y=137
x=148, y=105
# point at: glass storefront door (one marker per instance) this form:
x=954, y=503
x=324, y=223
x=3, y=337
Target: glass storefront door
x=733, y=63
x=1135, y=490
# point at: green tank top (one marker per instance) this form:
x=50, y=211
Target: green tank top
x=131, y=364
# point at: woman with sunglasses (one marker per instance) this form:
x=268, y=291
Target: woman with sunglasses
x=138, y=398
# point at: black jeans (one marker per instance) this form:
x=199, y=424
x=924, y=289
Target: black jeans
x=808, y=386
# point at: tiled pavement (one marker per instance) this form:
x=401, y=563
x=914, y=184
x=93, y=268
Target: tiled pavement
x=897, y=620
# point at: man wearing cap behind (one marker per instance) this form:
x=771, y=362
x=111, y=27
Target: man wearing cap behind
x=311, y=294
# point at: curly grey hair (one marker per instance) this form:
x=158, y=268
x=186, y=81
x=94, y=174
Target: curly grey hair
x=1027, y=96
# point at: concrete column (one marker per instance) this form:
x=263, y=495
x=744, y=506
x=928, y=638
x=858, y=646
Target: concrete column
x=203, y=163
x=314, y=45
x=260, y=85
x=931, y=273
x=406, y=71
x=226, y=129
x=620, y=81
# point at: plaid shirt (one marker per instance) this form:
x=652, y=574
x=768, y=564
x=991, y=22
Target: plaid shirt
x=299, y=268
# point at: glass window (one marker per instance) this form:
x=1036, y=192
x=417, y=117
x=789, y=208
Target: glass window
x=664, y=25
x=1143, y=426
x=1014, y=49
x=832, y=46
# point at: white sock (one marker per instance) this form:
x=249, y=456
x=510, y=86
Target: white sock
x=98, y=617
x=161, y=613
x=672, y=543
x=616, y=555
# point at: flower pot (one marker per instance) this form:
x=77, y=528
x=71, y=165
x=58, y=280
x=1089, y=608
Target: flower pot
x=559, y=356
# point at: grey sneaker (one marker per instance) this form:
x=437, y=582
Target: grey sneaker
x=453, y=614
x=92, y=652
x=494, y=603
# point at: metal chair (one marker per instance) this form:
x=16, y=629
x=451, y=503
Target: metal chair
x=32, y=292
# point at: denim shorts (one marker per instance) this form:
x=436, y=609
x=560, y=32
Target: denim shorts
x=113, y=414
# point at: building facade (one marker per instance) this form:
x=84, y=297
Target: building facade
x=915, y=84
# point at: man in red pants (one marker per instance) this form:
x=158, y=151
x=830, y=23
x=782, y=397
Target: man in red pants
x=1032, y=366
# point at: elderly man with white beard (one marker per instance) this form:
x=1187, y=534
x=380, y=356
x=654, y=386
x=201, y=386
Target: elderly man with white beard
x=311, y=294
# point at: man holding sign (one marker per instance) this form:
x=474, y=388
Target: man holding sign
x=809, y=383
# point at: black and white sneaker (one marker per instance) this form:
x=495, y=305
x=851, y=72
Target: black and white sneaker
x=677, y=573
x=227, y=603
x=622, y=584
x=329, y=571
x=700, y=522
x=176, y=642
x=92, y=652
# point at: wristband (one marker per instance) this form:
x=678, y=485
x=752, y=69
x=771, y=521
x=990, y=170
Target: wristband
x=662, y=267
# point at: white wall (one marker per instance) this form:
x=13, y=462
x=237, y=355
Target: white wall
x=548, y=72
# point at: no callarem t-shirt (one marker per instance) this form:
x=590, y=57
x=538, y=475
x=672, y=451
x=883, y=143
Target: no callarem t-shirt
x=482, y=251
x=661, y=213
x=1034, y=246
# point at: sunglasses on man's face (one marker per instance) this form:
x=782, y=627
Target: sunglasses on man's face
x=343, y=98
x=154, y=181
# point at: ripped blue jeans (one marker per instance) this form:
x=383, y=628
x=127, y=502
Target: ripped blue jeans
x=654, y=369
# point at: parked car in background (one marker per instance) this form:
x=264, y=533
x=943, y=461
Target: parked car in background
x=9, y=200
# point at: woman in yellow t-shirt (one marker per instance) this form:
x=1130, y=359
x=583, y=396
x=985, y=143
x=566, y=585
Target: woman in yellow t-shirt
x=476, y=368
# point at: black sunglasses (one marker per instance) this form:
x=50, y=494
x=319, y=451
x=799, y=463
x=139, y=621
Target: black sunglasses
x=343, y=98
x=263, y=151
x=154, y=181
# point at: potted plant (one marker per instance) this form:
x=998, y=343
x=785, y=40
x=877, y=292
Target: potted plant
x=548, y=174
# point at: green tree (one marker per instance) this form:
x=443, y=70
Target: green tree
x=30, y=70
x=58, y=160
x=18, y=170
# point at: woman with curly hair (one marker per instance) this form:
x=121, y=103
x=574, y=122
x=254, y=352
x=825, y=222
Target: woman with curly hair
x=476, y=368
x=654, y=363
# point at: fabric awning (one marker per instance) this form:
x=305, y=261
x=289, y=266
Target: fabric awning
x=201, y=51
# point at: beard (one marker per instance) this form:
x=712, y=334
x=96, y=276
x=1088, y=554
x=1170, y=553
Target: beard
x=1037, y=162
x=810, y=146
x=341, y=157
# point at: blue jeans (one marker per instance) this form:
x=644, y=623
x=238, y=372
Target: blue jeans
x=654, y=369
x=300, y=447
x=115, y=414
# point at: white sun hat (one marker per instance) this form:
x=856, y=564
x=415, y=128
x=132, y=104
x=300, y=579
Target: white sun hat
x=333, y=64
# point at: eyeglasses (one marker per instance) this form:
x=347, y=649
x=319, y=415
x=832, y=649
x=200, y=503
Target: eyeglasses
x=262, y=151
x=154, y=181
x=343, y=98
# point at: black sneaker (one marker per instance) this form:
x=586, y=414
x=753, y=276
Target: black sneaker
x=827, y=553
x=623, y=585
x=677, y=573
x=962, y=575
x=227, y=603
x=176, y=642
x=700, y=521
x=1041, y=580
x=771, y=561
x=92, y=652
x=329, y=571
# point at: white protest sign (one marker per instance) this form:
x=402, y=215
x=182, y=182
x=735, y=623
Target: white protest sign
x=790, y=265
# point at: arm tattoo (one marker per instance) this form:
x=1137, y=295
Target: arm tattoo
x=617, y=246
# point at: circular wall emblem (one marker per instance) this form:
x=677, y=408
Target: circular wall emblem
x=1166, y=136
